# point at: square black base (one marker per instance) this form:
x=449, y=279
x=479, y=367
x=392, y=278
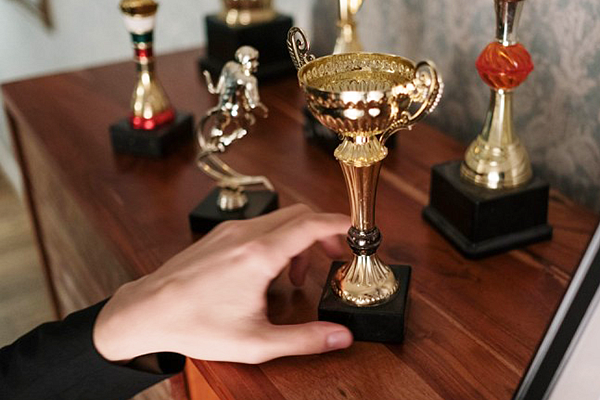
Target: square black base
x=383, y=323
x=323, y=137
x=268, y=38
x=151, y=143
x=481, y=221
x=207, y=215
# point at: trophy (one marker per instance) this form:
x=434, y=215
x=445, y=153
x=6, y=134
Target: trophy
x=222, y=125
x=365, y=98
x=347, y=40
x=491, y=202
x=250, y=23
x=154, y=128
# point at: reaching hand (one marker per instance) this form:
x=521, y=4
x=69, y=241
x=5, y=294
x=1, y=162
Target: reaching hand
x=209, y=301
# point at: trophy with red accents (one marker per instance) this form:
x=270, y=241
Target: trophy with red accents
x=491, y=201
x=154, y=127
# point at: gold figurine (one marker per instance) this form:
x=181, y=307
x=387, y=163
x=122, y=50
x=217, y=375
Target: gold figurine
x=228, y=122
x=364, y=98
x=247, y=12
x=497, y=159
x=347, y=40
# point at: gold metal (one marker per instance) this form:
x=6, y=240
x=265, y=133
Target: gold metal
x=247, y=12
x=148, y=100
x=139, y=8
x=228, y=122
x=347, y=40
x=365, y=98
x=497, y=159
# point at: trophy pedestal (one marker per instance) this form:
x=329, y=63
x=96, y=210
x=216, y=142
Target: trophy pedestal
x=381, y=323
x=268, y=38
x=316, y=133
x=151, y=143
x=207, y=214
x=479, y=221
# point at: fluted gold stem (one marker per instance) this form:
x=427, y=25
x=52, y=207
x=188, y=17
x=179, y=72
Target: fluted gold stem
x=366, y=280
x=497, y=158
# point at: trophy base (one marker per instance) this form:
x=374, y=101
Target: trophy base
x=480, y=221
x=323, y=137
x=268, y=38
x=207, y=214
x=152, y=143
x=381, y=323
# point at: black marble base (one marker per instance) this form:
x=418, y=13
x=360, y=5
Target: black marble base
x=382, y=323
x=323, y=137
x=482, y=222
x=268, y=38
x=152, y=143
x=207, y=215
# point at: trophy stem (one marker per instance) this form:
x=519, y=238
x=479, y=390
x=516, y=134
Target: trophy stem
x=508, y=14
x=366, y=280
x=347, y=40
x=497, y=158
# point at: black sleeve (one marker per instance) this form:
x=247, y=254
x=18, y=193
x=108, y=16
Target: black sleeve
x=58, y=360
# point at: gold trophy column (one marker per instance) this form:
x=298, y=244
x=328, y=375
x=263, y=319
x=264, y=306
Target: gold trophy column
x=497, y=159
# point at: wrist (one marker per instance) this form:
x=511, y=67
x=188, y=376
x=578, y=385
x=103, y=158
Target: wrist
x=119, y=334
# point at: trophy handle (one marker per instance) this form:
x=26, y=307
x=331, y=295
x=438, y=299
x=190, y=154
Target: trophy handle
x=428, y=91
x=298, y=46
x=427, y=83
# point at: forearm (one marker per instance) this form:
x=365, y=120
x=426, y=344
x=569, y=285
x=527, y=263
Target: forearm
x=59, y=360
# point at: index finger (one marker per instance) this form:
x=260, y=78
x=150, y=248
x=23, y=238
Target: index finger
x=298, y=234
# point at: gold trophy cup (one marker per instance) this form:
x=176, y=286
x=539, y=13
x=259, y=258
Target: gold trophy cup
x=365, y=98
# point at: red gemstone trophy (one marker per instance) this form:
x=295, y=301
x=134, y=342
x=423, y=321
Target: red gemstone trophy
x=153, y=127
x=491, y=202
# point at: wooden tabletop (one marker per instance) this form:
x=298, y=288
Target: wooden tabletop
x=472, y=325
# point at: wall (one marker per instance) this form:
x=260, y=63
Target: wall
x=88, y=33
x=557, y=113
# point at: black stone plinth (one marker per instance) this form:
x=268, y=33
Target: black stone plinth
x=382, y=323
x=481, y=221
x=323, y=137
x=152, y=143
x=268, y=38
x=207, y=214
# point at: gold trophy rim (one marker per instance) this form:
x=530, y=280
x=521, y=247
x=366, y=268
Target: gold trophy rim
x=301, y=73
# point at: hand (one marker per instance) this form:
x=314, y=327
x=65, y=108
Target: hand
x=209, y=301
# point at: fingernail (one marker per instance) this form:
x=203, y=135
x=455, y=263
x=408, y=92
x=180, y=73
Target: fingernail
x=339, y=340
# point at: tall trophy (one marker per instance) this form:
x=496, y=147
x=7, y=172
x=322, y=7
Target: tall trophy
x=154, y=127
x=365, y=98
x=226, y=123
x=491, y=202
x=247, y=23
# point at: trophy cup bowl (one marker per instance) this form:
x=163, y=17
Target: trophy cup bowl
x=365, y=98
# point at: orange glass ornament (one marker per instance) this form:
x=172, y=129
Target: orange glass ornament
x=504, y=67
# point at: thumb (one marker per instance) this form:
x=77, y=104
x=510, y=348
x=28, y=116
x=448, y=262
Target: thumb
x=309, y=338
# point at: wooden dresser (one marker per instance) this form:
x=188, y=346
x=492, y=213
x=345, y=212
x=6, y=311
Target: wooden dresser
x=103, y=219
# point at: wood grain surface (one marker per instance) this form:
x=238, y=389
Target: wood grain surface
x=472, y=325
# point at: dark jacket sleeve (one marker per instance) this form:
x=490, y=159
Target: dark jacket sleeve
x=58, y=360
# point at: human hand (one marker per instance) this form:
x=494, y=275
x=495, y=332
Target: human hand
x=209, y=301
